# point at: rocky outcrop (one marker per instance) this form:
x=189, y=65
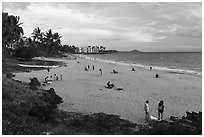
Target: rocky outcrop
x=34, y=83
x=51, y=97
x=189, y=125
x=45, y=105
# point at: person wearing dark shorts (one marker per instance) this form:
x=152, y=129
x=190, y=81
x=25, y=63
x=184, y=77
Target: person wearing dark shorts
x=160, y=110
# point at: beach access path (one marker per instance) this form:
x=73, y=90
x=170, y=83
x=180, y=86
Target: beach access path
x=84, y=91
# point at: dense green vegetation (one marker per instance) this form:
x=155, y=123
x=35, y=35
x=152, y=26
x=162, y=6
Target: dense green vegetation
x=14, y=43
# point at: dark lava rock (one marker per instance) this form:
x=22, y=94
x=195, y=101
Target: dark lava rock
x=45, y=105
x=34, y=83
x=189, y=125
x=51, y=97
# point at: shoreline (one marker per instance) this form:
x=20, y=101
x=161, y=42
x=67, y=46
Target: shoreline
x=85, y=91
x=146, y=67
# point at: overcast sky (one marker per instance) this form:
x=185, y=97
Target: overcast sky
x=118, y=25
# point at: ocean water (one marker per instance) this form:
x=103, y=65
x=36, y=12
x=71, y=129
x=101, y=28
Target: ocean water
x=175, y=62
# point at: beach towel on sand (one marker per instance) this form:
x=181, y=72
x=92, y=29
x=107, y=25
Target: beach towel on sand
x=153, y=118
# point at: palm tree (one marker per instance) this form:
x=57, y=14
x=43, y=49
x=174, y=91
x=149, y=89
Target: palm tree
x=56, y=42
x=52, y=41
x=37, y=35
x=38, y=39
x=48, y=40
x=11, y=30
x=49, y=37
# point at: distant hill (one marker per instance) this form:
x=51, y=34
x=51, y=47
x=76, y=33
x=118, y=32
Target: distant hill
x=134, y=51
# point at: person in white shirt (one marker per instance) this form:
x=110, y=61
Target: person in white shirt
x=146, y=108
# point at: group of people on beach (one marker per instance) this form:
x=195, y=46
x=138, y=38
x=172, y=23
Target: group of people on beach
x=52, y=78
x=160, y=110
x=88, y=67
x=93, y=68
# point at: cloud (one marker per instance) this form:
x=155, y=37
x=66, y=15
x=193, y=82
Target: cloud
x=139, y=36
x=95, y=32
x=135, y=22
x=15, y=5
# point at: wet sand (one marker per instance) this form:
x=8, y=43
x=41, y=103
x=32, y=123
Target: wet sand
x=84, y=91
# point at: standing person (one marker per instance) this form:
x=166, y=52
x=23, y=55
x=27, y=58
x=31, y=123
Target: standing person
x=150, y=68
x=100, y=71
x=55, y=76
x=160, y=110
x=88, y=66
x=93, y=67
x=146, y=108
x=48, y=69
x=61, y=76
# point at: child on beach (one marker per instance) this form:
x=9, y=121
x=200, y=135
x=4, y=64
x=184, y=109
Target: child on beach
x=133, y=69
x=160, y=110
x=46, y=79
x=146, y=108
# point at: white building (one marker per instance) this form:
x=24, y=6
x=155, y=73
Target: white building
x=95, y=49
x=89, y=50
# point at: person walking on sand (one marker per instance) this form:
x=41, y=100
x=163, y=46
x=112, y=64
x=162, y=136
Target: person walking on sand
x=100, y=71
x=146, y=108
x=48, y=69
x=160, y=110
x=61, y=76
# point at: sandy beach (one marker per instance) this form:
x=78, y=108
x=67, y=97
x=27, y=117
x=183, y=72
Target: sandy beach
x=84, y=91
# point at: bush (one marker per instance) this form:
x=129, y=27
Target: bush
x=15, y=121
x=9, y=75
x=42, y=53
x=45, y=104
x=6, y=96
x=34, y=84
x=26, y=52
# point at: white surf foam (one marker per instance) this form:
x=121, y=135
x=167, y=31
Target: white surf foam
x=170, y=70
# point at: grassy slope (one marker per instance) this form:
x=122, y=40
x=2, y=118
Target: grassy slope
x=15, y=118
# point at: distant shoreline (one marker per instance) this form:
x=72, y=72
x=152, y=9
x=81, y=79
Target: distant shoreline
x=146, y=67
